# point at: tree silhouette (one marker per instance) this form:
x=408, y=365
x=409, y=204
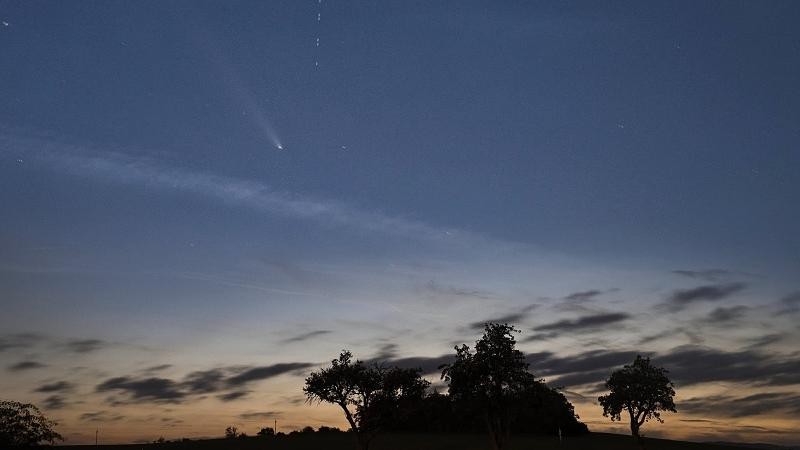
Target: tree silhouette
x=23, y=425
x=266, y=431
x=492, y=380
x=231, y=432
x=642, y=390
x=541, y=410
x=371, y=396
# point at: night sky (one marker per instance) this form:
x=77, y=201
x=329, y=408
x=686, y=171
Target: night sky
x=200, y=202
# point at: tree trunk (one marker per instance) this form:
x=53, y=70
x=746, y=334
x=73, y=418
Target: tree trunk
x=635, y=433
x=490, y=429
x=498, y=431
x=360, y=442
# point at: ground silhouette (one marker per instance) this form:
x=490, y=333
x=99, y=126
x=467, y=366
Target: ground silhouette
x=417, y=441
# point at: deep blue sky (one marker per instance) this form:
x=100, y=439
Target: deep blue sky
x=504, y=152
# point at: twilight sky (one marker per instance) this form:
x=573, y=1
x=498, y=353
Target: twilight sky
x=200, y=202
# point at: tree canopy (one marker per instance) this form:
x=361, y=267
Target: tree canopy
x=23, y=425
x=641, y=389
x=495, y=382
x=370, y=395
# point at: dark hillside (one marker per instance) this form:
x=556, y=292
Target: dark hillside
x=344, y=441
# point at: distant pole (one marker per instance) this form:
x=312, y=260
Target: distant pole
x=96, y=431
x=275, y=427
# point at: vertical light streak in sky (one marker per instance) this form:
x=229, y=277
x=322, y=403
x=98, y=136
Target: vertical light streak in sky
x=241, y=94
x=316, y=46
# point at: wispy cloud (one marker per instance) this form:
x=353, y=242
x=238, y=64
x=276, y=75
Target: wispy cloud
x=260, y=415
x=85, y=345
x=26, y=365
x=101, y=416
x=584, y=323
x=704, y=274
x=681, y=298
x=55, y=402
x=156, y=369
x=455, y=291
x=19, y=341
x=307, y=336
x=231, y=396
x=114, y=166
x=228, y=382
x=511, y=318
x=58, y=386
x=692, y=364
x=791, y=303
x=143, y=390
x=583, y=296
x=264, y=372
x=726, y=315
x=747, y=406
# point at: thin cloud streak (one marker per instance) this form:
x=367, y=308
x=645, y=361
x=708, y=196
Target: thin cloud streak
x=306, y=336
x=118, y=167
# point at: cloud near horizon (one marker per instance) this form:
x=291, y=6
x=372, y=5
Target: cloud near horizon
x=26, y=365
x=226, y=382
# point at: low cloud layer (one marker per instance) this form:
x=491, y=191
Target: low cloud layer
x=26, y=365
x=583, y=296
x=583, y=323
x=261, y=415
x=227, y=383
x=726, y=315
x=54, y=402
x=770, y=403
x=687, y=365
x=58, y=386
x=510, y=318
x=681, y=298
x=306, y=336
x=101, y=416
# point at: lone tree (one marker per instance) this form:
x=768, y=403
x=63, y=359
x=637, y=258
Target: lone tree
x=23, y=425
x=231, y=432
x=492, y=381
x=370, y=395
x=641, y=389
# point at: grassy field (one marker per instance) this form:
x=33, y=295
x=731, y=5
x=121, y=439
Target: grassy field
x=600, y=441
